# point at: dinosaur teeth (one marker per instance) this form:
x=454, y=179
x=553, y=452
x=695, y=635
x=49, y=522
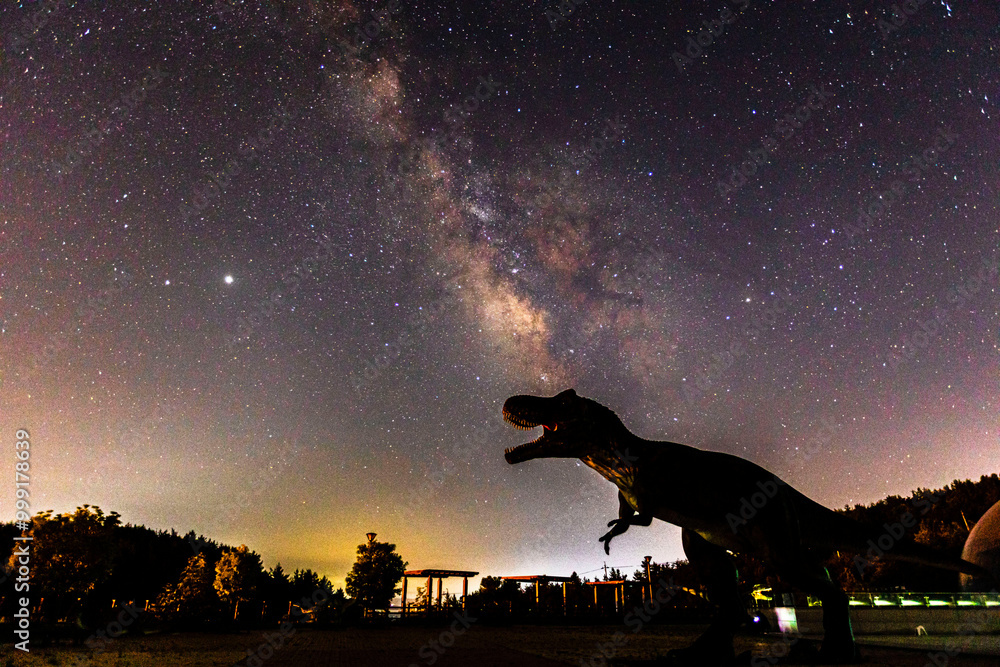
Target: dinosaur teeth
x=518, y=422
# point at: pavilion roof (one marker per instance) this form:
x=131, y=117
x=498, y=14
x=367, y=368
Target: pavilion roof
x=439, y=574
x=537, y=577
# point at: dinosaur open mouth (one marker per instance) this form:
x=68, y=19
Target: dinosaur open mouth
x=523, y=452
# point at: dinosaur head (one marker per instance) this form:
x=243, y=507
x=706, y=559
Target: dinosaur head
x=571, y=425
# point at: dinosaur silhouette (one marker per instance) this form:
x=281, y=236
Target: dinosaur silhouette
x=706, y=494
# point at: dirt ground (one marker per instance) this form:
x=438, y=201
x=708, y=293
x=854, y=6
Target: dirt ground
x=523, y=646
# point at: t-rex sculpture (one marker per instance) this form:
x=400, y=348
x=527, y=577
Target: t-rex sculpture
x=706, y=494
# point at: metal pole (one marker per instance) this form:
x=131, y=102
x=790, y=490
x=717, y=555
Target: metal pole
x=649, y=579
x=403, y=601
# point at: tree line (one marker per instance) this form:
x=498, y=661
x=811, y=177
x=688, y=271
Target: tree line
x=87, y=563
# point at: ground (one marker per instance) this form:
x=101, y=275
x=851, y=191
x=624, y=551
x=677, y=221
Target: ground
x=524, y=646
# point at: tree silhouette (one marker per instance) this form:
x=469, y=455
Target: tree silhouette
x=70, y=558
x=495, y=595
x=373, y=578
x=194, y=597
x=236, y=576
x=275, y=589
x=306, y=582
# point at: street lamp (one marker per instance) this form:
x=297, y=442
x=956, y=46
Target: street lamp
x=371, y=557
x=649, y=579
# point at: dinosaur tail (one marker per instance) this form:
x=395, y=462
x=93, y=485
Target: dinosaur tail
x=914, y=552
x=890, y=544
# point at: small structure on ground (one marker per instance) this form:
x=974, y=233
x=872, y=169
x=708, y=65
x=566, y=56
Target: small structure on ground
x=439, y=575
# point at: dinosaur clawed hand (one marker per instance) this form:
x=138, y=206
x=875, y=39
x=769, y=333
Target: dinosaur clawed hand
x=615, y=530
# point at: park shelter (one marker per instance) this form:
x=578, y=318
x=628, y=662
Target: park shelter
x=541, y=579
x=439, y=575
x=619, y=588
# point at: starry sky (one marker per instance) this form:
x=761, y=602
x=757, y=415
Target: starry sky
x=268, y=270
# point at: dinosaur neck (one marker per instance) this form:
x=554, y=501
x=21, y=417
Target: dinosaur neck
x=619, y=454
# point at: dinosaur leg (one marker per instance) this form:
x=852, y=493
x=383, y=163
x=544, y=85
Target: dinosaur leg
x=838, y=637
x=718, y=572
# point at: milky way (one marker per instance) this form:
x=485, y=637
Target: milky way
x=770, y=230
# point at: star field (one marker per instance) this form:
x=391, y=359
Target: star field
x=269, y=270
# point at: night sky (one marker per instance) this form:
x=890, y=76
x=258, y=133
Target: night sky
x=269, y=279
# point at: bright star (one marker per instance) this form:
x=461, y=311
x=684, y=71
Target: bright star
x=228, y=279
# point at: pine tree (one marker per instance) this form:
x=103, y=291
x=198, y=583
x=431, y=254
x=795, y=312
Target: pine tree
x=193, y=598
x=373, y=578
